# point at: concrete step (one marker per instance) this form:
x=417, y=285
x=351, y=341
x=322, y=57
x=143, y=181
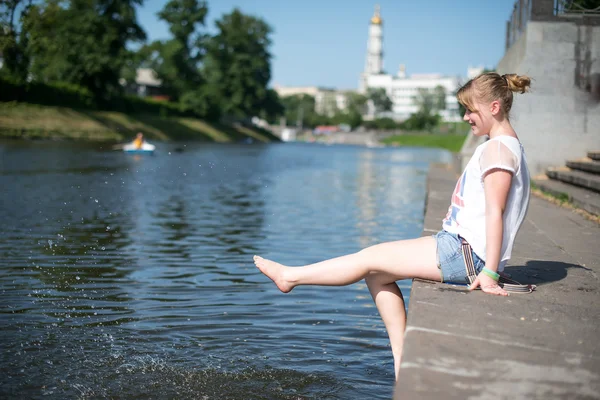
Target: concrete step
x=585, y=164
x=594, y=155
x=579, y=197
x=574, y=177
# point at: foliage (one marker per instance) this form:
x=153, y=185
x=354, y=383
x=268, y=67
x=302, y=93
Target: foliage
x=272, y=106
x=79, y=53
x=60, y=93
x=421, y=121
x=299, y=110
x=238, y=64
x=382, y=124
x=82, y=42
x=69, y=95
x=356, y=108
x=380, y=99
x=351, y=118
x=177, y=61
x=13, y=39
x=357, y=103
x=429, y=103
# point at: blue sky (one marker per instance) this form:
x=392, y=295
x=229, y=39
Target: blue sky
x=323, y=43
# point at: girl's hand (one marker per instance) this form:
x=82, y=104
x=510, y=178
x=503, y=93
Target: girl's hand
x=488, y=285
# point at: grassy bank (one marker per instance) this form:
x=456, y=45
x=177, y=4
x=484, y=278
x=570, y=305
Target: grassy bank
x=30, y=121
x=452, y=142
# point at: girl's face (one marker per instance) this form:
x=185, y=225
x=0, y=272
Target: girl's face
x=481, y=119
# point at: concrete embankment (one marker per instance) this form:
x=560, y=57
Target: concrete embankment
x=542, y=345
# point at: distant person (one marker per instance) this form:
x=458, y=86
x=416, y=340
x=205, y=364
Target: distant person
x=139, y=140
x=487, y=208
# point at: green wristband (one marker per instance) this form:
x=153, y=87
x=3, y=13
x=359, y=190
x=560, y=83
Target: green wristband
x=494, y=275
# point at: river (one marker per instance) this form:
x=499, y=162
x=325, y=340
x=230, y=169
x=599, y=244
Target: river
x=128, y=276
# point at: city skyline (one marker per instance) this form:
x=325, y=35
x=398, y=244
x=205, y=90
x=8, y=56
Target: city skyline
x=324, y=44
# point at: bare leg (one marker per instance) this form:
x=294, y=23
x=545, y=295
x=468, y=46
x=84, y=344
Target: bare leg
x=403, y=259
x=381, y=266
x=390, y=304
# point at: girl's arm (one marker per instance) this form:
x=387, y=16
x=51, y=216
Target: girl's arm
x=496, y=185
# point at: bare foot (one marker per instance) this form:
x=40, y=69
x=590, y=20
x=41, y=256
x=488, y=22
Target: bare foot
x=275, y=272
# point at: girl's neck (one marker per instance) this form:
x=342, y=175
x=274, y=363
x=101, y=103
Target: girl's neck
x=502, y=128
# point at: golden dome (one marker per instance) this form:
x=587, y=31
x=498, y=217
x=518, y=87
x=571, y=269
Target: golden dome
x=376, y=19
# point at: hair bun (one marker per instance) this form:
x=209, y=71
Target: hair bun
x=517, y=83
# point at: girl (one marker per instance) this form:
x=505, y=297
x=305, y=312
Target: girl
x=487, y=209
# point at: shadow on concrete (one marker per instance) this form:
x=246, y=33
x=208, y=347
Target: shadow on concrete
x=540, y=273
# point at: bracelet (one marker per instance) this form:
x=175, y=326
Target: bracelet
x=494, y=275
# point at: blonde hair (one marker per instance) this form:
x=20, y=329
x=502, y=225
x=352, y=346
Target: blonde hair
x=491, y=86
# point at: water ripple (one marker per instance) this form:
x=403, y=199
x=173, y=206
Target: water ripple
x=133, y=276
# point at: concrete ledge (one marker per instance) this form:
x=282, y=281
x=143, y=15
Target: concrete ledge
x=462, y=344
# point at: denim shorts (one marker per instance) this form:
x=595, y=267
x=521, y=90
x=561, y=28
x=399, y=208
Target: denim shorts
x=450, y=258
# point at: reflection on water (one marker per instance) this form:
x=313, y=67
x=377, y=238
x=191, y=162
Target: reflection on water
x=133, y=277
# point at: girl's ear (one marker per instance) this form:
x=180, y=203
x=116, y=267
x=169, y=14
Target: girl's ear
x=495, y=107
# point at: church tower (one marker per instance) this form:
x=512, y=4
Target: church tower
x=374, y=61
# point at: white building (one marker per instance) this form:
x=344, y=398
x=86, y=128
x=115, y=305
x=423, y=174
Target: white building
x=285, y=91
x=146, y=84
x=327, y=101
x=401, y=88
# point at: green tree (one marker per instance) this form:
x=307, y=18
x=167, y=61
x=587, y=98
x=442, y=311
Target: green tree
x=380, y=99
x=83, y=42
x=381, y=124
x=14, y=39
x=429, y=103
x=299, y=110
x=439, y=96
x=421, y=122
x=357, y=103
x=272, y=106
x=177, y=61
x=238, y=63
x=355, y=109
x=351, y=117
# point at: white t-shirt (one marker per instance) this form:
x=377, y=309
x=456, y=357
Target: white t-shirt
x=466, y=214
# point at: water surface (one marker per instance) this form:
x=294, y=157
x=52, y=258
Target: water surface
x=131, y=276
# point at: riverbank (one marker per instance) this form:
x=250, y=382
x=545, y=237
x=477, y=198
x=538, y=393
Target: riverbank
x=452, y=142
x=439, y=140
x=31, y=121
x=462, y=344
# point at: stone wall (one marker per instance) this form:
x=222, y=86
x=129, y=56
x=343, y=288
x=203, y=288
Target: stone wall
x=560, y=118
